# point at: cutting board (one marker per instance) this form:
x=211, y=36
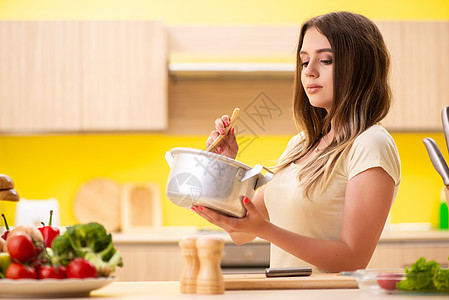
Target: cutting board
x=98, y=200
x=260, y=282
x=140, y=206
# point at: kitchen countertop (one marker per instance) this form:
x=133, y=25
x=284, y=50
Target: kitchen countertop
x=170, y=290
x=175, y=234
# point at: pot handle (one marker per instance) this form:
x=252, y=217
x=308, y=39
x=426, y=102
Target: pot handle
x=255, y=171
x=265, y=179
x=252, y=172
x=169, y=158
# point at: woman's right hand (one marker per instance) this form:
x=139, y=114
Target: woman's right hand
x=229, y=146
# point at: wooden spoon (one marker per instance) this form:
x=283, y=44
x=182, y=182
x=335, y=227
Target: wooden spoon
x=6, y=182
x=219, y=139
x=9, y=195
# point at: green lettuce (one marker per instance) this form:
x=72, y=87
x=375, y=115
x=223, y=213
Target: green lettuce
x=425, y=276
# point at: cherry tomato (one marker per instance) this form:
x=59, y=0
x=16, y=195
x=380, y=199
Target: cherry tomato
x=57, y=272
x=388, y=281
x=81, y=268
x=21, y=248
x=19, y=271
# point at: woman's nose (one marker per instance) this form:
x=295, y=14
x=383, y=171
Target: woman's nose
x=311, y=70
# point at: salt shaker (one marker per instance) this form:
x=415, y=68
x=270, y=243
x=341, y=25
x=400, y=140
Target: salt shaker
x=209, y=279
x=191, y=265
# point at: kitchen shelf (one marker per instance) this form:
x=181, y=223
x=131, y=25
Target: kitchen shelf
x=232, y=70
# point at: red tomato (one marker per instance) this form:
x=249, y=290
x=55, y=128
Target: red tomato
x=388, y=281
x=19, y=271
x=57, y=272
x=81, y=268
x=21, y=248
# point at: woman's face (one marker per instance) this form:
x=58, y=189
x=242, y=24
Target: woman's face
x=317, y=69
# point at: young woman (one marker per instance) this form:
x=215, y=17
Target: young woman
x=333, y=187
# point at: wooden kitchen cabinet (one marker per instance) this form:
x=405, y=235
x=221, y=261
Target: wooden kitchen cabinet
x=81, y=76
x=150, y=262
x=401, y=249
x=157, y=256
x=405, y=254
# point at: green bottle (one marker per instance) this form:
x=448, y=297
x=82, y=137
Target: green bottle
x=444, y=220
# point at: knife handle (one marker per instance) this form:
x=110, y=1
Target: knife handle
x=284, y=272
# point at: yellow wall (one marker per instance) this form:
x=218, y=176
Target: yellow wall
x=220, y=11
x=55, y=166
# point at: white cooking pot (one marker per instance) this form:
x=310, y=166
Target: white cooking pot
x=211, y=180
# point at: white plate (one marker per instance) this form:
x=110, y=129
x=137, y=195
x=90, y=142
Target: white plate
x=33, y=288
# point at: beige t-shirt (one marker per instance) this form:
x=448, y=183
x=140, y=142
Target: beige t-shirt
x=322, y=217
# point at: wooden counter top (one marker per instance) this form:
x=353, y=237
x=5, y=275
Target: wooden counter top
x=170, y=290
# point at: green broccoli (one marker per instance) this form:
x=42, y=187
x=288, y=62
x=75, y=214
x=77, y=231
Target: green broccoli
x=91, y=242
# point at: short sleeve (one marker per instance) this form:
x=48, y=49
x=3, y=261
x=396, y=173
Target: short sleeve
x=374, y=148
x=294, y=142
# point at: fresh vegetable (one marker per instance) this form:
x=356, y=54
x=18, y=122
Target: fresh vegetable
x=49, y=233
x=81, y=268
x=388, y=281
x=21, y=248
x=19, y=271
x=5, y=234
x=54, y=272
x=3, y=245
x=29, y=230
x=426, y=276
x=91, y=242
x=5, y=261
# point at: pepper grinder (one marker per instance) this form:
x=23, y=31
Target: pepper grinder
x=209, y=279
x=190, y=267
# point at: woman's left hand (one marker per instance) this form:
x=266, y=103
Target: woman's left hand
x=253, y=223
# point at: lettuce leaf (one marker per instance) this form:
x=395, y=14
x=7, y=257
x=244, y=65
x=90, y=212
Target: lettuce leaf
x=426, y=276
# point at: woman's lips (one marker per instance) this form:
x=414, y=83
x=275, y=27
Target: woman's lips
x=313, y=88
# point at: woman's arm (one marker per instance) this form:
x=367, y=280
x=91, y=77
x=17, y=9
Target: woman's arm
x=230, y=224
x=367, y=202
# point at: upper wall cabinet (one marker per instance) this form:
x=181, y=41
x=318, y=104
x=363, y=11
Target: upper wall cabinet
x=78, y=76
x=420, y=73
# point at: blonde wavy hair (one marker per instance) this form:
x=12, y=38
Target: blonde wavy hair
x=362, y=95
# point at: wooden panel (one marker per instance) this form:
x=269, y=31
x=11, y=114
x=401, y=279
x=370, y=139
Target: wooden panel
x=82, y=75
x=34, y=58
x=232, y=42
x=264, y=104
x=420, y=73
x=402, y=255
x=143, y=262
x=140, y=207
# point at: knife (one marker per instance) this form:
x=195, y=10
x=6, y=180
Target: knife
x=437, y=159
x=445, y=118
x=288, y=272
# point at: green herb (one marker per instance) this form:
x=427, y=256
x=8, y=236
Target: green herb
x=425, y=276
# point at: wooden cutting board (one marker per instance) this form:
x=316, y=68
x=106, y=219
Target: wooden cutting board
x=98, y=200
x=260, y=282
x=140, y=206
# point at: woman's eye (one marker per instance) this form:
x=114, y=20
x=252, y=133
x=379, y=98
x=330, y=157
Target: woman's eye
x=326, y=61
x=304, y=64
